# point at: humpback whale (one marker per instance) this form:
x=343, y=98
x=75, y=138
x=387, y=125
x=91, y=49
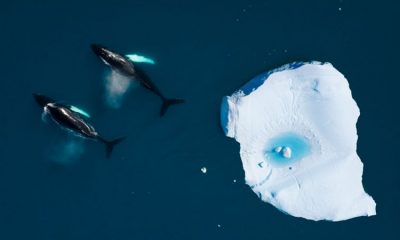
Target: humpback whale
x=67, y=117
x=124, y=66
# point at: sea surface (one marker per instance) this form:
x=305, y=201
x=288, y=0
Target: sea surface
x=55, y=187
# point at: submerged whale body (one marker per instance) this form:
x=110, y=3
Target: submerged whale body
x=125, y=67
x=67, y=117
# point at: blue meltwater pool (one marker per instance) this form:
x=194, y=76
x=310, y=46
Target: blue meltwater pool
x=286, y=149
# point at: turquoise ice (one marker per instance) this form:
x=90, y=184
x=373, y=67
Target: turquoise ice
x=298, y=145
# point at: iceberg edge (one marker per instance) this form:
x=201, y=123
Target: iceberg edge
x=305, y=98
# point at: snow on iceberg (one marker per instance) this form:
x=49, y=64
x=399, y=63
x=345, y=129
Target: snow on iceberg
x=296, y=126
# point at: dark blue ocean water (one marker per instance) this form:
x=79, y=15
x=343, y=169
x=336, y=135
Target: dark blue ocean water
x=152, y=187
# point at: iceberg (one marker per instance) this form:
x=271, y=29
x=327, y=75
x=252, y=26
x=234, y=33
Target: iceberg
x=296, y=126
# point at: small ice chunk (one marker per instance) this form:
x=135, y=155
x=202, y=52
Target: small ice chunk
x=204, y=170
x=296, y=126
x=286, y=152
x=278, y=149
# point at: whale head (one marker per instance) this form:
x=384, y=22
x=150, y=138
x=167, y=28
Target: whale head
x=42, y=100
x=98, y=49
x=106, y=55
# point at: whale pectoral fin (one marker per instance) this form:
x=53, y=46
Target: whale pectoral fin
x=135, y=58
x=79, y=111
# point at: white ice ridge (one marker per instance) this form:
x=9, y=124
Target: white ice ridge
x=296, y=126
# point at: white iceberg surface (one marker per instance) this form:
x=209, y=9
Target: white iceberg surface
x=296, y=126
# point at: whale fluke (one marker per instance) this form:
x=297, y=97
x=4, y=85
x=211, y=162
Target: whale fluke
x=110, y=144
x=167, y=103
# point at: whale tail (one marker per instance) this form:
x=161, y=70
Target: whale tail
x=111, y=144
x=167, y=103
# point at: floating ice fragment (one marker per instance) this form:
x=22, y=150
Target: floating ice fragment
x=286, y=152
x=278, y=149
x=296, y=126
x=203, y=170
